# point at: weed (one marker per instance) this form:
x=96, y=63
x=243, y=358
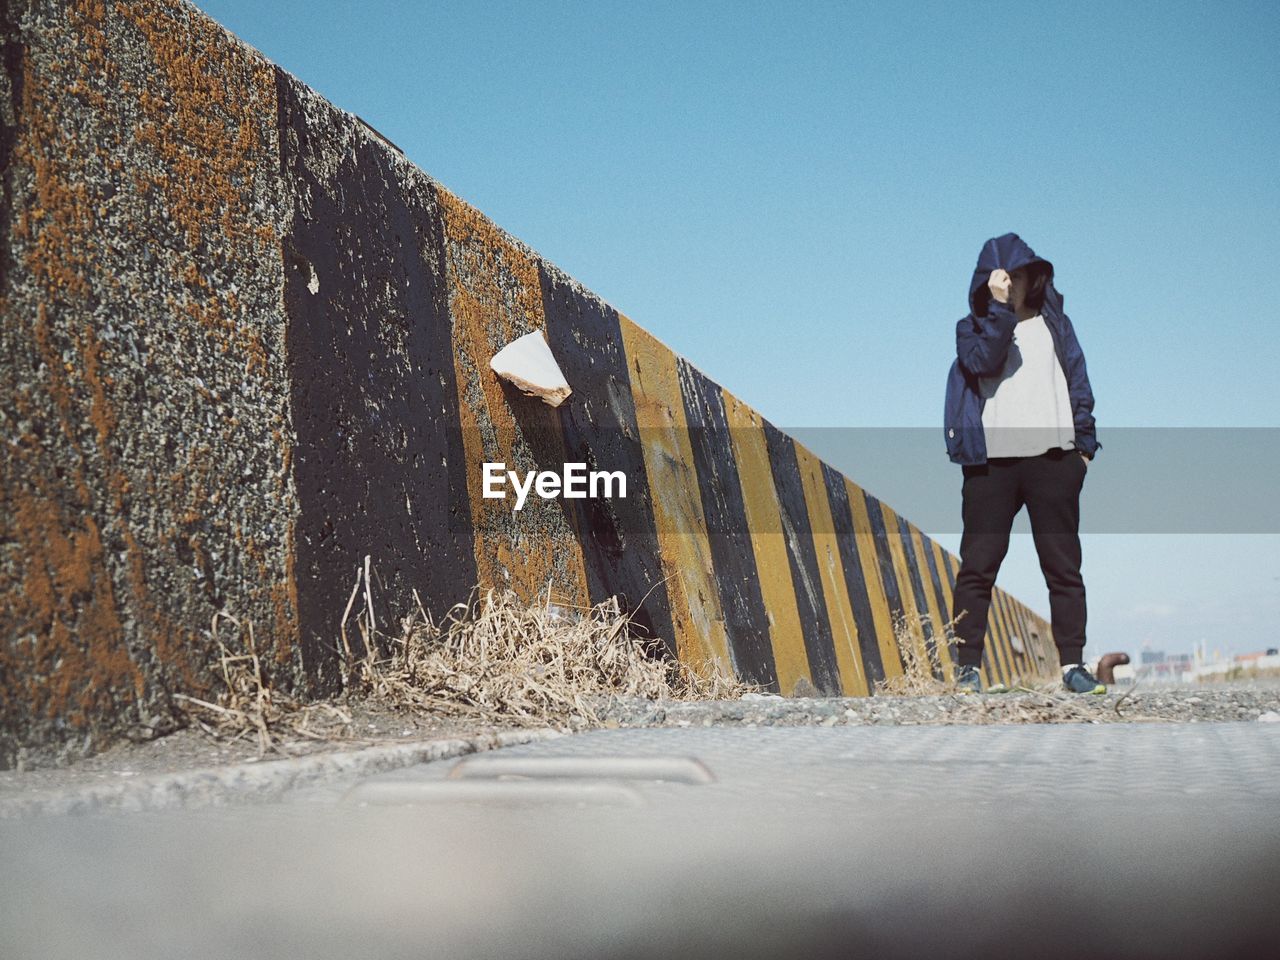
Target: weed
x=923, y=668
x=498, y=658
x=495, y=659
x=249, y=705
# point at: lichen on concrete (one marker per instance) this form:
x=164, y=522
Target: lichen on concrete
x=145, y=481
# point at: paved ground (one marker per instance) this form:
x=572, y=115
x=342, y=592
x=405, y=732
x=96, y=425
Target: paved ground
x=849, y=768
x=1152, y=840
x=381, y=725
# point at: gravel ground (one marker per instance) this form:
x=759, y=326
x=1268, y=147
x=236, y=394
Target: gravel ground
x=1252, y=701
x=191, y=749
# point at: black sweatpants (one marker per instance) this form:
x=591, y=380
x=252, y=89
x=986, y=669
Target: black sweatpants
x=993, y=493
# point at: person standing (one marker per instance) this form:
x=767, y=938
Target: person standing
x=1019, y=420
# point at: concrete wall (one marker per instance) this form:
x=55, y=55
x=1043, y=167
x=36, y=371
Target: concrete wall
x=246, y=343
x=146, y=478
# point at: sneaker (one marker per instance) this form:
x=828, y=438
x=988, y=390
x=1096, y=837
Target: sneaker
x=1079, y=680
x=968, y=680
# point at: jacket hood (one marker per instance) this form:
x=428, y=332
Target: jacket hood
x=1007, y=252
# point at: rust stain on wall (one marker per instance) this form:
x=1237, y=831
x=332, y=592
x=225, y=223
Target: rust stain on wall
x=495, y=295
x=67, y=658
x=134, y=360
x=204, y=164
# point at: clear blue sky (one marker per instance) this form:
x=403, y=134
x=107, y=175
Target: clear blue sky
x=793, y=196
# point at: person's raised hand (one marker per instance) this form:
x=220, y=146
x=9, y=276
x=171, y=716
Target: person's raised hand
x=998, y=284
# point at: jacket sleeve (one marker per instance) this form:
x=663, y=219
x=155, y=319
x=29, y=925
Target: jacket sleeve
x=982, y=343
x=1081, y=393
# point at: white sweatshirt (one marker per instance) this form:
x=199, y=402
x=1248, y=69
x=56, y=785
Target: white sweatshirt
x=1027, y=409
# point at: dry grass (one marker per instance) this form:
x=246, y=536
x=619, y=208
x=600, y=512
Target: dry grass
x=500, y=659
x=1045, y=702
x=918, y=647
x=495, y=659
x=1028, y=701
x=250, y=706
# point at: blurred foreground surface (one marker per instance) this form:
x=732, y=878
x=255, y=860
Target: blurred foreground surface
x=1152, y=840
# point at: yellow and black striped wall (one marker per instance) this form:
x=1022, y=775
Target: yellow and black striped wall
x=246, y=344
x=736, y=544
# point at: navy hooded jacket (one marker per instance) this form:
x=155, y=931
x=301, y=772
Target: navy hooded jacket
x=982, y=343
